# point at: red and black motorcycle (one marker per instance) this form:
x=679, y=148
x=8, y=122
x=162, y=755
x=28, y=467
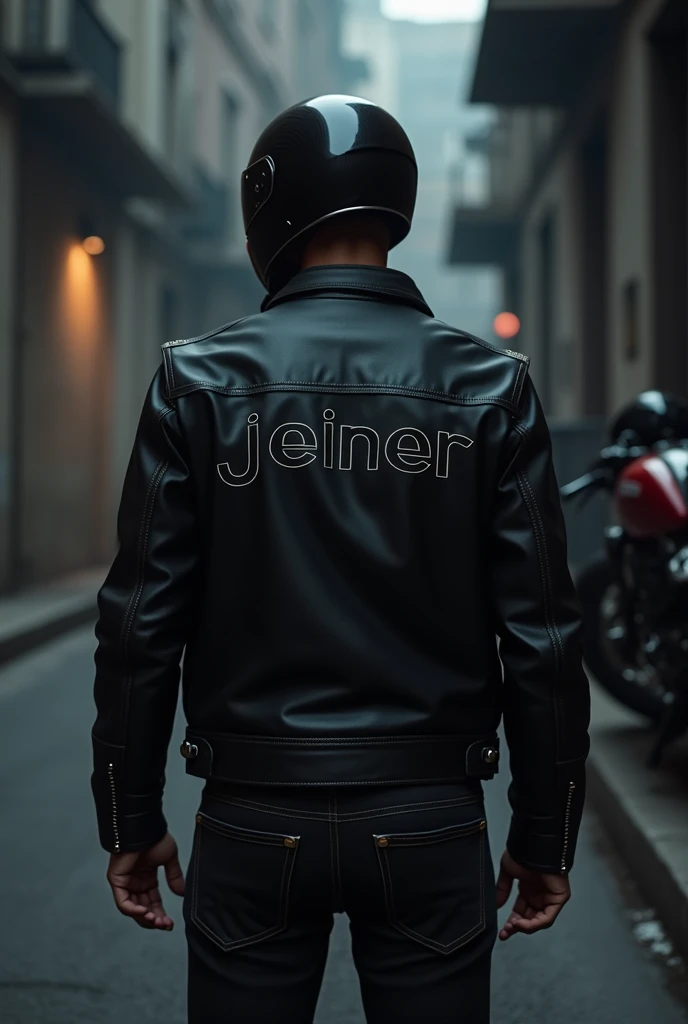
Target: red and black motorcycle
x=635, y=597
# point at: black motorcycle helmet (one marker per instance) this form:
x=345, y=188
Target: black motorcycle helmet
x=651, y=417
x=321, y=158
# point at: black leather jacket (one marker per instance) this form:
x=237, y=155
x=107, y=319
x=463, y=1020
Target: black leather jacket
x=333, y=508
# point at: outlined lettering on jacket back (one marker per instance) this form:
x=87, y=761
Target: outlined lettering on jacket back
x=296, y=445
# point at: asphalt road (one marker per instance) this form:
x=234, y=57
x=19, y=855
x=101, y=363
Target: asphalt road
x=67, y=957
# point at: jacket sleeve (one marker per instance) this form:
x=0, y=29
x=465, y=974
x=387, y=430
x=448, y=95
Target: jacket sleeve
x=546, y=698
x=145, y=608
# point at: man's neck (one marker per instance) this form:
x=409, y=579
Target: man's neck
x=350, y=252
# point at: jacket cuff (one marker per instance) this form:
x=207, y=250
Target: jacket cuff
x=131, y=832
x=533, y=849
x=126, y=822
x=548, y=844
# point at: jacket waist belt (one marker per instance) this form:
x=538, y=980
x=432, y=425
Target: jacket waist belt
x=339, y=760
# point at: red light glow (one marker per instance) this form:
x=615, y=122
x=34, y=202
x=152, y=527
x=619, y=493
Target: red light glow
x=506, y=325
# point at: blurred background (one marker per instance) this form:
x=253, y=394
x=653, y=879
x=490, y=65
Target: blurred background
x=552, y=141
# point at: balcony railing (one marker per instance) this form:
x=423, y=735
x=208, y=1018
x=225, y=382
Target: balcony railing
x=62, y=35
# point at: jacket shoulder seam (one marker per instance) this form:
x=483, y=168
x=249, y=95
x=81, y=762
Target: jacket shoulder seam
x=522, y=359
x=486, y=344
x=208, y=334
x=168, y=347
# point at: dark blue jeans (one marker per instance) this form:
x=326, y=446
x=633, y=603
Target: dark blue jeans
x=410, y=866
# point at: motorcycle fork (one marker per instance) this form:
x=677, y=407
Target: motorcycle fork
x=616, y=549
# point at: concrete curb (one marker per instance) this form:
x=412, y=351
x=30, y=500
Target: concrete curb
x=15, y=644
x=32, y=617
x=644, y=811
x=654, y=877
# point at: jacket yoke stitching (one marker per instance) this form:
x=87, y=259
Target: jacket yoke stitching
x=249, y=389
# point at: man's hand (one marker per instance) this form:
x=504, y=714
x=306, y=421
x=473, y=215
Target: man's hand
x=540, y=897
x=134, y=881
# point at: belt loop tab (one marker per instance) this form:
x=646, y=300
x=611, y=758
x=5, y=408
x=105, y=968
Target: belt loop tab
x=198, y=755
x=482, y=758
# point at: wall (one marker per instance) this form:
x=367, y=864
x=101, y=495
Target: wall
x=518, y=140
x=91, y=327
x=217, y=77
x=140, y=27
x=557, y=197
x=8, y=209
x=631, y=226
x=629, y=210
x=143, y=269
x=626, y=104
x=65, y=357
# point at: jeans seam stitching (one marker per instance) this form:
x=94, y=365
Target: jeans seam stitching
x=287, y=812
x=393, y=809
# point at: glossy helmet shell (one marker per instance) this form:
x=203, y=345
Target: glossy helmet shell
x=651, y=417
x=319, y=159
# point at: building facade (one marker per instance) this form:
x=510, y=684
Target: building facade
x=418, y=72
x=587, y=212
x=130, y=123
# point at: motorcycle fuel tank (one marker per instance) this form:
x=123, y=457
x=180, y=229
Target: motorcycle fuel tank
x=651, y=494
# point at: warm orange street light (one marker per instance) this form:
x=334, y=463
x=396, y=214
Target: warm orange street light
x=94, y=245
x=506, y=325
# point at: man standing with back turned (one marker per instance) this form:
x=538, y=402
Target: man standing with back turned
x=334, y=507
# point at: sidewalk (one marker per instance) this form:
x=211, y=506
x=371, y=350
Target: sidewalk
x=644, y=812
x=37, y=614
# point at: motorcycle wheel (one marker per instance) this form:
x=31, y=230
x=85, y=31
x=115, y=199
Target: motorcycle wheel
x=628, y=679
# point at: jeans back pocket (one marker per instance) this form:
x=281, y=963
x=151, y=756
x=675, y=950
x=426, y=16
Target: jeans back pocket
x=240, y=881
x=434, y=883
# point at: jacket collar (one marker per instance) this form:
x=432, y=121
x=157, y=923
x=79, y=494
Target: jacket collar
x=375, y=282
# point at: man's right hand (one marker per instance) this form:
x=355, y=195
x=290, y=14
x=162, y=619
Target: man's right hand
x=540, y=897
x=134, y=881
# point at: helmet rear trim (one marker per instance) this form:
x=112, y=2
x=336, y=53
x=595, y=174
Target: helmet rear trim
x=329, y=216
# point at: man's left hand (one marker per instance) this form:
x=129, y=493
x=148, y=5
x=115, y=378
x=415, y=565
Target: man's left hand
x=134, y=881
